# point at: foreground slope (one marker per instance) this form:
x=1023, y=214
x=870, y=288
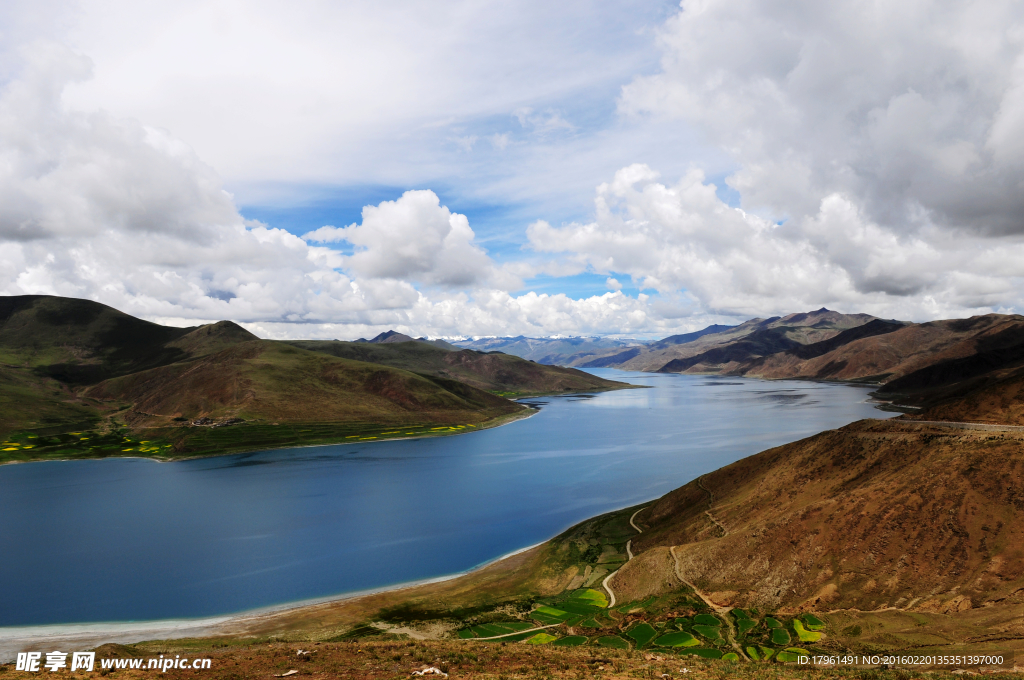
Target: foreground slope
x=503, y=373
x=877, y=514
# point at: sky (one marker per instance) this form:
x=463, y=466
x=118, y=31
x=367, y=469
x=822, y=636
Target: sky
x=469, y=167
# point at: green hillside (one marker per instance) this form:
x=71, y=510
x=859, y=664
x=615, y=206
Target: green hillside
x=80, y=379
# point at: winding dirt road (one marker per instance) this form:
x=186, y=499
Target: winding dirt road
x=629, y=556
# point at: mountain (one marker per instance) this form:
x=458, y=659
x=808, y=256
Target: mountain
x=914, y=364
x=135, y=387
x=495, y=372
x=552, y=351
x=80, y=342
x=267, y=381
x=689, y=337
x=393, y=336
x=721, y=349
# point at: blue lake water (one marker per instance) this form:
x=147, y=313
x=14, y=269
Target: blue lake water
x=134, y=540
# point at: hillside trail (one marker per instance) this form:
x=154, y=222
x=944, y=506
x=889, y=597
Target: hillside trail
x=723, y=612
x=517, y=632
x=985, y=427
x=629, y=556
x=711, y=502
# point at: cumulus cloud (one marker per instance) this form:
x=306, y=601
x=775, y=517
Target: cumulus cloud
x=683, y=237
x=109, y=209
x=413, y=238
x=913, y=110
x=878, y=161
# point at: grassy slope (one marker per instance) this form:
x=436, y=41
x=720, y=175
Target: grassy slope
x=502, y=373
x=72, y=365
x=81, y=342
x=273, y=381
x=288, y=395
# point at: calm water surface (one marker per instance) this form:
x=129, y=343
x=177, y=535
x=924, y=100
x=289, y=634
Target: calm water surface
x=133, y=540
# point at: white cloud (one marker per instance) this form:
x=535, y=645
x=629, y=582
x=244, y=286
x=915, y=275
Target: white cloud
x=910, y=109
x=733, y=263
x=108, y=209
x=414, y=238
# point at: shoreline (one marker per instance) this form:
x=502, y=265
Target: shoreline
x=501, y=421
x=82, y=636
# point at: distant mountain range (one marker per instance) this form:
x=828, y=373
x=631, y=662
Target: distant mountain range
x=913, y=363
x=573, y=351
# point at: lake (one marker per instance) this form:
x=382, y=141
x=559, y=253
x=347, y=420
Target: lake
x=135, y=540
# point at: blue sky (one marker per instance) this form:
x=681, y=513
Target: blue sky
x=627, y=167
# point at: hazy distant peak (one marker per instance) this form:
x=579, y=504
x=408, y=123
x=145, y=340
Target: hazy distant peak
x=392, y=336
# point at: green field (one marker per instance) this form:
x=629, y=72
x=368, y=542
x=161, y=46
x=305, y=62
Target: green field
x=772, y=623
x=803, y=634
x=590, y=596
x=745, y=625
x=613, y=641
x=752, y=653
x=570, y=641
x=707, y=620
x=780, y=636
x=541, y=639
x=642, y=634
x=710, y=632
x=486, y=630
x=812, y=622
x=679, y=639
x=791, y=654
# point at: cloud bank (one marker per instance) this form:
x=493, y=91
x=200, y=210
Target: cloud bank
x=877, y=165
x=110, y=209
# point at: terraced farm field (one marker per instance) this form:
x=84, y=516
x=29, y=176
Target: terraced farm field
x=677, y=623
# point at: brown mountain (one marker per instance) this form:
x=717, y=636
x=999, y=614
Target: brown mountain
x=720, y=349
x=275, y=382
x=892, y=353
x=495, y=372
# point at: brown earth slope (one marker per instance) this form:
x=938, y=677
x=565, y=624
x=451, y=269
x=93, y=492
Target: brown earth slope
x=875, y=515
